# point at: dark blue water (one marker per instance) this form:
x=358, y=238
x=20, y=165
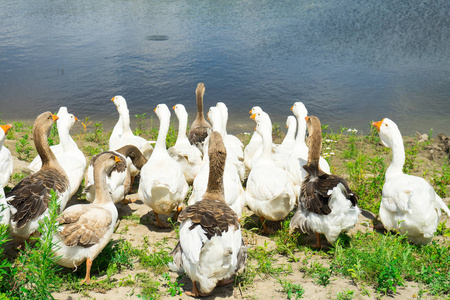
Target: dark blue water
x=349, y=61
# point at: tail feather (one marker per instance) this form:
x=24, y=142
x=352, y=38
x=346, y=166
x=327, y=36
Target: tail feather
x=442, y=205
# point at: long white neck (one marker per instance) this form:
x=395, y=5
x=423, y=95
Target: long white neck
x=398, y=156
x=164, y=124
x=290, y=135
x=224, y=121
x=217, y=124
x=182, y=125
x=125, y=115
x=301, y=134
x=266, y=154
x=66, y=140
x=118, y=128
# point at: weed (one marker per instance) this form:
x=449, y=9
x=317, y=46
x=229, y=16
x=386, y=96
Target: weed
x=141, y=120
x=150, y=287
x=442, y=181
x=389, y=278
x=293, y=291
x=287, y=242
x=16, y=177
x=5, y=265
x=158, y=260
x=345, y=295
x=23, y=148
x=410, y=157
x=133, y=218
x=351, y=151
x=35, y=275
x=91, y=150
x=174, y=288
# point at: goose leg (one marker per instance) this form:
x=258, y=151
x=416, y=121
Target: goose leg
x=158, y=221
x=195, y=292
x=263, y=221
x=87, y=279
x=318, y=245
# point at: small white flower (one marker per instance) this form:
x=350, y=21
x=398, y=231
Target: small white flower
x=327, y=148
x=331, y=153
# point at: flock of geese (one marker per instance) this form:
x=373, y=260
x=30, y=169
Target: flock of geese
x=210, y=248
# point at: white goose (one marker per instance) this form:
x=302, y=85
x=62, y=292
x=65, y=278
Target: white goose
x=163, y=186
x=5, y=214
x=211, y=249
x=409, y=203
x=299, y=154
x=326, y=203
x=67, y=153
x=6, y=161
x=270, y=192
x=188, y=156
x=284, y=150
x=85, y=229
x=254, y=148
x=28, y=200
x=234, y=192
x=233, y=142
x=122, y=136
x=119, y=179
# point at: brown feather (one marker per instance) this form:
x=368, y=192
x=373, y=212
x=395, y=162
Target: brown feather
x=314, y=195
x=200, y=127
x=84, y=227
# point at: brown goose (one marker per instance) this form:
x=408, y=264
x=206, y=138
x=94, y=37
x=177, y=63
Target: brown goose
x=210, y=249
x=200, y=127
x=87, y=228
x=327, y=205
x=28, y=200
x=119, y=180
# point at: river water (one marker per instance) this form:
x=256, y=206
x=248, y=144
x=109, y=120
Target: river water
x=350, y=62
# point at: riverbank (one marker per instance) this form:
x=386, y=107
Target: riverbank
x=281, y=264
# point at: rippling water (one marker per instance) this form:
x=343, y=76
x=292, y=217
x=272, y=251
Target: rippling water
x=349, y=62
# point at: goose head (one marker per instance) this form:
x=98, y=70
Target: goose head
x=388, y=131
x=120, y=102
x=180, y=110
x=65, y=120
x=299, y=110
x=162, y=111
x=43, y=123
x=3, y=132
x=255, y=109
x=262, y=117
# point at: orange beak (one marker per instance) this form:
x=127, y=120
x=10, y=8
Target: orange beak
x=307, y=118
x=173, y=107
x=76, y=119
x=292, y=107
x=155, y=109
x=250, y=111
x=6, y=127
x=117, y=159
x=377, y=125
x=113, y=98
x=55, y=117
x=253, y=117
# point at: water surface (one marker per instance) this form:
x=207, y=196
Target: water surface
x=350, y=62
